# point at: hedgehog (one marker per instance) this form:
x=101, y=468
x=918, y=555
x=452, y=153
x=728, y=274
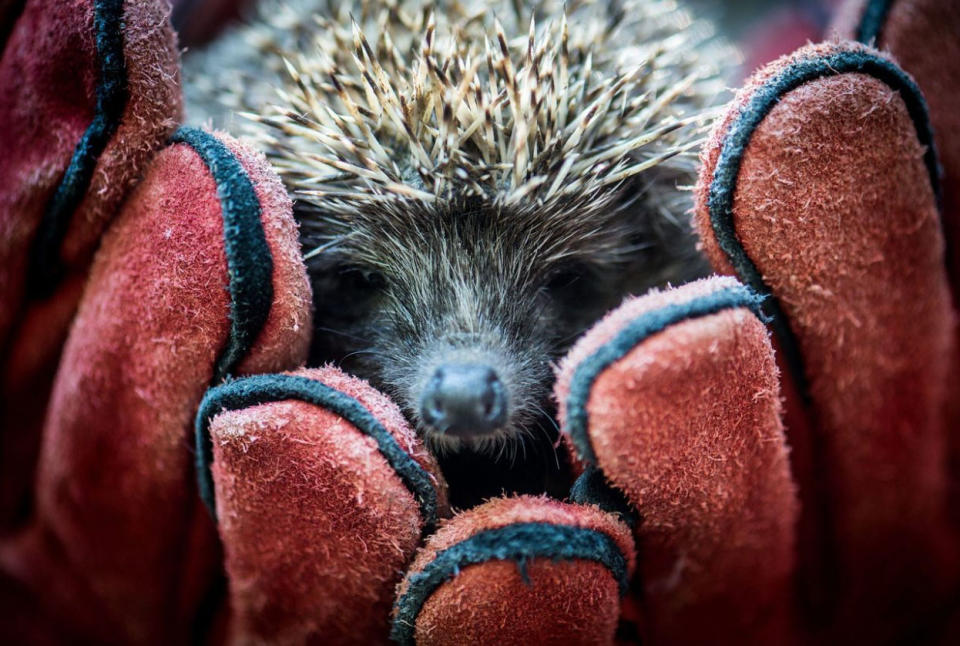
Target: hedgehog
x=476, y=183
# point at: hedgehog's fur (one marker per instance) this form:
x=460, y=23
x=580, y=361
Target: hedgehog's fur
x=467, y=155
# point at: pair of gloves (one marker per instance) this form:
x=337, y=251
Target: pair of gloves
x=736, y=486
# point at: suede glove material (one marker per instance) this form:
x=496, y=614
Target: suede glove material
x=762, y=456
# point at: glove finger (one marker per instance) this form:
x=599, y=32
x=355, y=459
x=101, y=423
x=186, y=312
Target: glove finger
x=88, y=92
x=922, y=35
x=674, y=397
x=320, y=485
x=199, y=277
x=518, y=571
x=818, y=190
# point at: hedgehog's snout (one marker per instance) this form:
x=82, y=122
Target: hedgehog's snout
x=464, y=400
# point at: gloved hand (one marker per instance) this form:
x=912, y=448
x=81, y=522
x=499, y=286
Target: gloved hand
x=322, y=493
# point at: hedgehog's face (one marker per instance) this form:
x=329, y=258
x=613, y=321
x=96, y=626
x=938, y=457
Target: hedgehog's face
x=382, y=117
x=562, y=117
x=460, y=317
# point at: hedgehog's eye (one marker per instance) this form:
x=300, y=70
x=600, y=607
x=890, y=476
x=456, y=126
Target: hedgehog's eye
x=361, y=279
x=565, y=277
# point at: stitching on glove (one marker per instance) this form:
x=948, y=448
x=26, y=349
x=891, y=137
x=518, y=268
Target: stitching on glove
x=261, y=389
x=249, y=261
x=638, y=330
x=518, y=542
x=873, y=20
x=46, y=268
x=737, y=138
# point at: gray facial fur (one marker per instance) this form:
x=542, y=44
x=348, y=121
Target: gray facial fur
x=476, y=182
x=396, y=297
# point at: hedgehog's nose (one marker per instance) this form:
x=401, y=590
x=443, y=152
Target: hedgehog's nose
x=464, y=400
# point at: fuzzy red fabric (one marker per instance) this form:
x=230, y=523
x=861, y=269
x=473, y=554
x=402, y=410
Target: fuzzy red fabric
x=563, y=602
x=288, y=330
x=687, y=425
x=834, y=205
x=48, y=76
x=923, y=36
x=316, y=525
x=120, y=547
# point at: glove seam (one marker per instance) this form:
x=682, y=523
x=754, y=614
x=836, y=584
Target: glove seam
x=45, y=267
x=737, y=138
x=630, y=336
x=249, y=261
x=261, y=389
x=872, y=21
x=518, y=542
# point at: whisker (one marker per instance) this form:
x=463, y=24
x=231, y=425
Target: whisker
x=373, y=353
x=546, y=436
x=340, y=333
